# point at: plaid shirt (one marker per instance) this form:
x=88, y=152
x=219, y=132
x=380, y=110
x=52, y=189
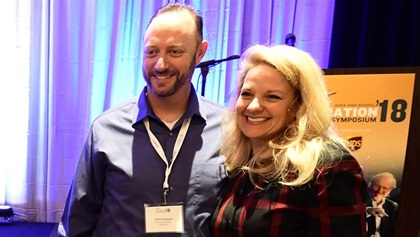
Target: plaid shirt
x=333, y=203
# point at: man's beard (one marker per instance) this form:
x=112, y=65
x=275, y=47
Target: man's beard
x=181, y=80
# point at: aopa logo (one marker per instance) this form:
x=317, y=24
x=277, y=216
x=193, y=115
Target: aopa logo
x=161, y=210
x=355, y=143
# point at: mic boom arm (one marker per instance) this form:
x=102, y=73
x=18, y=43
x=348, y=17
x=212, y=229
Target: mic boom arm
x=207, y=64
x=213, y=62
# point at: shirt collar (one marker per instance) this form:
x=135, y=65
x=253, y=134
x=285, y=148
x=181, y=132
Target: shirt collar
x=144, y=108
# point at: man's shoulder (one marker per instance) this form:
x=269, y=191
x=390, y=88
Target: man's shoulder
x=210, y=105
x=390, y=203
x=210, y=110
x=124, y=109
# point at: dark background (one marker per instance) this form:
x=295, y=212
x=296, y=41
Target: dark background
x=379, y=34
x=375, y=33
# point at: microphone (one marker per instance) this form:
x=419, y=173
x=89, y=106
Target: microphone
x=290, y=39
x=213, y=62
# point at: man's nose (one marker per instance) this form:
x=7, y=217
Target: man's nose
x=382, y=190
x=161, y=64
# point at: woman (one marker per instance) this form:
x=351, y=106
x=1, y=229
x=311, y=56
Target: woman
x=291, y=174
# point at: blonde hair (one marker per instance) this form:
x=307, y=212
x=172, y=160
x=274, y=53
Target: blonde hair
x=292, y=156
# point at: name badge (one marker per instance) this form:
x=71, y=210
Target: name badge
x=164, y=218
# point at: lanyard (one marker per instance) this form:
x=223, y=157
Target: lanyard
x=158, y=147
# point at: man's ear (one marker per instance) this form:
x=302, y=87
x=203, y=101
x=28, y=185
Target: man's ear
x=202, y=49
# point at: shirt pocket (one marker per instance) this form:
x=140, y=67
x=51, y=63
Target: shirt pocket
x=209, y=180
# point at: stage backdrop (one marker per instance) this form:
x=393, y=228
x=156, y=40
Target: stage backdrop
x=376, y=109
x=373, y=112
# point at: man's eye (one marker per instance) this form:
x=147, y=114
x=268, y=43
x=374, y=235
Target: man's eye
x=177, y=53
x=149, y=52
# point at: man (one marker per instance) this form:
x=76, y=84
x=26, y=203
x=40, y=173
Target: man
x=151, y=165
x=381, y=211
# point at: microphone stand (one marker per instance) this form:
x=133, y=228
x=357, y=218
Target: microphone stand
x=204, y=72
x=205, y=66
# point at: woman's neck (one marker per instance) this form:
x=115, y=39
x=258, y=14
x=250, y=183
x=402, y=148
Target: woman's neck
x=259, y=145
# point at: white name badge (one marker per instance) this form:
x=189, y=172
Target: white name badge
x=164, y=218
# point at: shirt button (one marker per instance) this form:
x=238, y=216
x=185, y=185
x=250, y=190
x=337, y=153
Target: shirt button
x=229, y=224
x=171, y=134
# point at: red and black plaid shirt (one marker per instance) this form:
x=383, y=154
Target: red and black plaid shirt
x=333, y=203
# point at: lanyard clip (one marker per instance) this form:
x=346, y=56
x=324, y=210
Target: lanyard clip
x=165, y=194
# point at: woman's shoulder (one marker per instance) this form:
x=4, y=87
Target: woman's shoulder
x=341, y=175
x=337, y=158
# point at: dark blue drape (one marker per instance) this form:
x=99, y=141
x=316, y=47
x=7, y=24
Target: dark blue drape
x=378, y=33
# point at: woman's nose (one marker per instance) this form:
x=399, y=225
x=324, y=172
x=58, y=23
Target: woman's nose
x=254, y=105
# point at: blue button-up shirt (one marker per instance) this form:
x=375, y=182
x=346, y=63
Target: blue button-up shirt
x=119, y=171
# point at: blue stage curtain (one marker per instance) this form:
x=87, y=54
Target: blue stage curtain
x=74, y=59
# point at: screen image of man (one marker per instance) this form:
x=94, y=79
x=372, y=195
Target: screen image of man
x=381, y=211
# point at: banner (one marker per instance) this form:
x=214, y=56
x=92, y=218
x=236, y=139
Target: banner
x=372, y=111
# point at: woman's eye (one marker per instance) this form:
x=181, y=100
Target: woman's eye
x=273, y=97
x=245, y=94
